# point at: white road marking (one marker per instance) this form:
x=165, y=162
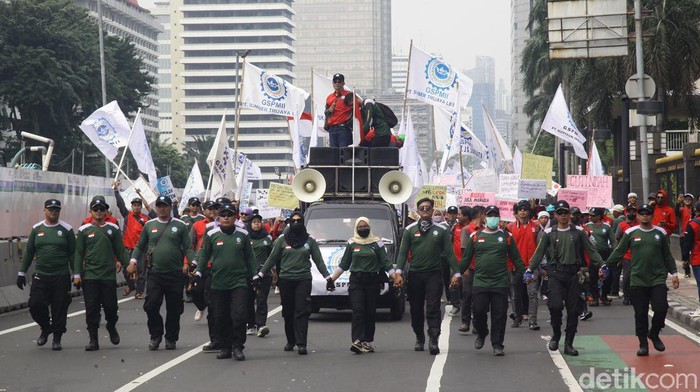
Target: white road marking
x=29, y=325
x=563, y=368
x=433, y=384
x=682, y=330
x=176, y=361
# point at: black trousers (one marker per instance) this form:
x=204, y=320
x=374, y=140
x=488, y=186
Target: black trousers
x=50, y=292
x=446, y=275
x=161, y=285
x=140, y=283
x=296, y=308
x=467, y=298
x=100, y=293
x=494, y=299
x=424, y=292
x=641, y=298
x=520, y=299
x=564, y=291
x=257, y=303
x=364, y=293
x=626, y=276
x=615, y=273
x=230, y=315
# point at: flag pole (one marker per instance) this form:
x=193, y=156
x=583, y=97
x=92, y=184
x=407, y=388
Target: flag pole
x=131, y=132
x=458, y=131
x=121, y=171
x=238, y=115
x=536, y=139
x=408, y=76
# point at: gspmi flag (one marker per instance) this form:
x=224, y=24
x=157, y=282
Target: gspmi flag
x=107, y=128
x=269, y=93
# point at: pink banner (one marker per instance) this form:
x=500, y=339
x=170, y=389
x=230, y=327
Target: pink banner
x=505, y=206
x=575, y=197
x=599, y=189
x=471, y=199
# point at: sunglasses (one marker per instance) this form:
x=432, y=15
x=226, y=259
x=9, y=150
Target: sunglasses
x=98, y=209
x=296, y=220
x=425, y=208
x=562, y=212
x=337, y=82
x=54, y=209
x=243, y=213
x=225, y=214
x=644, y=213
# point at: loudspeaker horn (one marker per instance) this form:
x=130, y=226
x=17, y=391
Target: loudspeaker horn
x=395, y=187
x=308, y=185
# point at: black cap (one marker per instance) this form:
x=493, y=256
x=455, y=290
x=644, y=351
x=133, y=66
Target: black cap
x=652, y=196
x=697, y=205
x=520, y=205
x=492, y=209
x=631, y=206
x=99, y=200
x=228, y=207
x=575, y=210
x=193, y=201
x=597, y=211
x=136, y=200
x=562, y=205
x=338, y=77
x=210, y=205
x=255, y=216
x=223, y=200
x=164, y=200
x=452, y=210
x=52, y=203
x=646, y=207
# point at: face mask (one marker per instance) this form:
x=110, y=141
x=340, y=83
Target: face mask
x=438, y=218
x=492, y=222
x=296, y=227
x=364, y=233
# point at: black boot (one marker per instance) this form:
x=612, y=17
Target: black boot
x=113, y=335
x=224, y=354
x=433, y=344
x=569, y=347
x=43, y=338
x=420, y=343
x=643, y=346
x=554, y=342
x=658, y=344
x=238, y=354
x=56, y=344
x=93, y=345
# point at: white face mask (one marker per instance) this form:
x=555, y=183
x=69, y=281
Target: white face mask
x=438, y=218
x=492, y=222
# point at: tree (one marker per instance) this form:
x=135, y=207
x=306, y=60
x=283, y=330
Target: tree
x=200, y=148
x=169, y=161
x=50, y=73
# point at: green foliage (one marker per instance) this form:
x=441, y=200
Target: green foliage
x=199, y=148
x=170, y=162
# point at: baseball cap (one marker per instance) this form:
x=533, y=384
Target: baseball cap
x=542, y=214
x=652, y=196
x=193, y=201
x=631, y=194
x=597, y=211
x=99, y=200
x=492, y=209
x=52, y=203
x=690, y=195
x=631, y=207
x=562, y=205
x=521, y=205
x=575, y=210
x=646, y=207
x=136, y=200
x=165, y=200
x=697, y=205
x=452, y=210
x=618, y=208
x=338, y=77
x=254, y=217
x=223, y=200
x=209, y=205
x=228, y=207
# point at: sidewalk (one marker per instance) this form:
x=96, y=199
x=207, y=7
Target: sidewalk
x=684, y=301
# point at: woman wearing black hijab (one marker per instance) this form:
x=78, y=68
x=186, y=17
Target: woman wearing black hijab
x=261, y=242
x=293, y=252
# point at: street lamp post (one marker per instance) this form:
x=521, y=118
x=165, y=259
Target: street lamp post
x=103, y=77
x=239, y=56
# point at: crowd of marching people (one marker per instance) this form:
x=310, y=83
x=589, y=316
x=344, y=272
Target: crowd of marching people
x=228, y=259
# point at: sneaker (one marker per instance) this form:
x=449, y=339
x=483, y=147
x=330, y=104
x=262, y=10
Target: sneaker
x=367, y=347
x=42, y=339
x=238, y=354
x=154, y=343
x=301, y=350
x=263, y=331
x=534, y=326
x=464, y=328
x=586, y=315
x=169, y=345
x=479, y=342
x=498, y=352
x=198, y=315
x=251, y=331
x=357, y=347
x=454, y=311
x=211, y=347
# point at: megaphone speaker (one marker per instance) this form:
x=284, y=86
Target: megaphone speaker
x=308, y=185
x=395, y=187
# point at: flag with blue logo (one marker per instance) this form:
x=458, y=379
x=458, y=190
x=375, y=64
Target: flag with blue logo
x=107, y=128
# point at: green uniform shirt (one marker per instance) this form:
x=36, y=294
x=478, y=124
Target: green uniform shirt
x=603, y=235
x=95, y=251
x=616, y=222
x=190, y=220
x=564, y=249
x=651, y=256
x=294, y=263
x=52, y=246
x=231, y=256
x=173, y=245
x=426, y=248
x=365, y=258
x=262, y=247
x=490, y=251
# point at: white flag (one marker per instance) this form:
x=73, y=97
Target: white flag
x=595, y=166
x=269, y=93
x=194, y=187
x=410, y=159
x=517, y=160
x=298, y=156
x=498, y=154
x=107, y=128
x=138, y=145
x=219, y=161
x=466, y=140
x=433, y=81
x=559, y=123
x=322, y=88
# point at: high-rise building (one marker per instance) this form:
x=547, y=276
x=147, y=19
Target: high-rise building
x=399, y=73
x=161, y=10
x=483, y=93
x=205, y=37
x=520, y=10
x=126, y=19
x=352, y=38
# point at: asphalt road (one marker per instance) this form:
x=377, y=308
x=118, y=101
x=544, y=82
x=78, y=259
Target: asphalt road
x=606, y=343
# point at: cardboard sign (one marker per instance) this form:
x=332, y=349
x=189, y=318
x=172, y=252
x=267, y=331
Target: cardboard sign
x=505, y=206
x=263, y=208
x=142, y=185
x=537, y=167
x=575, y=197
x=508, y=185
x=532, y=189
x=165, y=187
x=282, y=196
x=437, y=193
x=599, y=188
x=471, y=198
x=483, y=180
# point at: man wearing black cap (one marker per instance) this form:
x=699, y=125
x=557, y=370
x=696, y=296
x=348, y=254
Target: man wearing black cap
x=624, y=266
x=425, y=241
x=651, y=263
x=339, y=113
x=604, y=242
x=565, y=246
x=195, y=214
x=164, y=242
x=52, y=244
x=486, y=252
x=227, y=248
x=134, y=221
x=524, y=231
x=97, y=246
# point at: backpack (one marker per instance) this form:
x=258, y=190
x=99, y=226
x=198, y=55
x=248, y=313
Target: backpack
x=389, y=116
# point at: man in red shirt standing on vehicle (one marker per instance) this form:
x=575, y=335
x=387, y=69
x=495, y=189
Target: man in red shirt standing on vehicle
x=339, y=114
x=524, y=231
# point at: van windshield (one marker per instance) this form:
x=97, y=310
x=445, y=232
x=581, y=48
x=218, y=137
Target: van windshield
x=337, y=224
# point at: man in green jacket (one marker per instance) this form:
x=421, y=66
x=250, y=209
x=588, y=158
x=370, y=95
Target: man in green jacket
x=377, y=131
x=651, y=263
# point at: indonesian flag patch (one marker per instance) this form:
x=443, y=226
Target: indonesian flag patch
x=91, y=235
x=356, y=249
x=40, y=234
x=219, y=242
x=154, y=230
x=481, y=240
x=637, y=239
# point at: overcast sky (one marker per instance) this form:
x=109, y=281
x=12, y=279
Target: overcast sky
x=459, y=30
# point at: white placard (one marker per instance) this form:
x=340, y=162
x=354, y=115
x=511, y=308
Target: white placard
x=532, y=189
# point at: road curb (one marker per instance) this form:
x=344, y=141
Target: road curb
x=682, y=313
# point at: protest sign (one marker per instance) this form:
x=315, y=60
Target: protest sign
x=471, y=198
x=508, y=185
x=438, y=193
x=281, y=196
x=575, y=197
x=537, y=167
x=532, y=189
x=165, y=187
x=263, y=208
x=505, y=206
x=599, y=188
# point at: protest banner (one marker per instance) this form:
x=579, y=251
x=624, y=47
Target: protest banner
x=532, y=189
x=438, y=193
x=470, y=198
x=483, y=180
x=142, y=185
x=575, y=197
x=282, y=196
x=599, y=189
x=165, y=187
x=537, y=167
x=508, y=185
x=263, y=208
x=505, y=206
